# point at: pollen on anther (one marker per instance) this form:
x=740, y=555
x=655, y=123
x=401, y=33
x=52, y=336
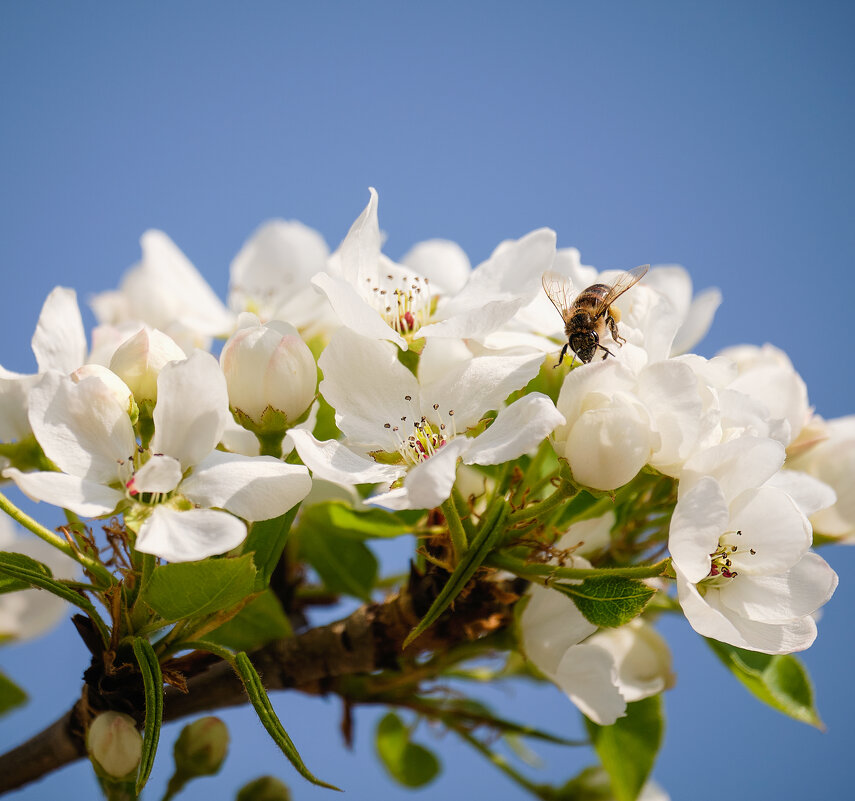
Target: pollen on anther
x=435, y=406
x=408, y=397
x=387, y=425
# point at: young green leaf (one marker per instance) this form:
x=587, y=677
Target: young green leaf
x=488, y=538
x=11, y=695
x=264, y=709
x=10, y=584
x=266, y=541
x=608, y=601
x=408, y=763
x=261, y=621
x=153, y=689
x=627, y=749
x=190, y=589
x=344, y=521
x=35, y=574
x=781, y=681
x=345, y=566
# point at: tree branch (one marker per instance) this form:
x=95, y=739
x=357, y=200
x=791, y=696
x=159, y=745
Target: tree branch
x=370, y=639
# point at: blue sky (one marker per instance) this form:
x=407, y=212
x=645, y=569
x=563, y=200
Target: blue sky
x=714, y=135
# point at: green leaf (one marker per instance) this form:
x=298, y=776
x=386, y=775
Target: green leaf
x=608, y=601
x=192, y=589
x=344, y=565
x=627, y=749
x=11, y=695
x=10, y=584
x=488, y=538
x=408, y=763
x=153, y=689
x=266, y=541
x=781, y=681
x=261, y=621
x=591, y=784
x=264, y=709
x=35, y=574
x=344, y=521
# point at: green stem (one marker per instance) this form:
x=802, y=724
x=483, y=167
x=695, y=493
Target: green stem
x=526, y=570
x=500, y=762
x=455, y=529
x=464, y=511
x=95, y=568
x=565, y=491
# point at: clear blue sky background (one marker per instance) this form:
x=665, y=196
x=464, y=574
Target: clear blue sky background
x=717, y=135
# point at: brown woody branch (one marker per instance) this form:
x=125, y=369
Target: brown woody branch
x=368, y=640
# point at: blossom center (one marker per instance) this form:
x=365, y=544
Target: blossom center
x=419, y=438
x=403, y=301
x=725, y=559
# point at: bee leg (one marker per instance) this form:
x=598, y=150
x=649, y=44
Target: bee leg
x=561, y=357
x=608, y=352
x=612, y=324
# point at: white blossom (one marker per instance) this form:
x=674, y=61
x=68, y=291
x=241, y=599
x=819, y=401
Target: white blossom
x=380, y=299
x=86, y=431
x=740, y=550
x=618, y=421
x=398, y=427
x=165, y=291
x=271, y=277
x=832, y=461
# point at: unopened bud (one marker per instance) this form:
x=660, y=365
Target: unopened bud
x=201, y=747
x=139, y=360
x=269, y=368
x=267, y=788
x=114, y=743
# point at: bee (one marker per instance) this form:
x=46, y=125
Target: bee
x=589, y=314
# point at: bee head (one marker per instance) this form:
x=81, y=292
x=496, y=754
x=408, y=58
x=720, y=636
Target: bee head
x=584, y=345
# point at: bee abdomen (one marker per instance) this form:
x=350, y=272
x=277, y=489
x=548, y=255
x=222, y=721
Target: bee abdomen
x=592, y=296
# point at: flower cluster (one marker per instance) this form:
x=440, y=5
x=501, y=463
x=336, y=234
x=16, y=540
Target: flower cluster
x=440, y=396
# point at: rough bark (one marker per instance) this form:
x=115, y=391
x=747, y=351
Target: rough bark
x=368, y=640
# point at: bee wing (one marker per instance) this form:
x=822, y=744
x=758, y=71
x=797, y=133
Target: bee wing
x=625, y=281
x=559, y=289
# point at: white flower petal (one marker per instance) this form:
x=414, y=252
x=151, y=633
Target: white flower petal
x=810, y=494
x=477, y=386
x=443, y=263
x=59, y=342
x=736, y=465
x=498, y=288
x=698, y=320
x=251, y=487
x=641, y=656
x=607, y=446
x=587, y=674
x=81, y=426
x=550, y=624
x=84, y=498
x=192, y=408
x=189, y=536
x=367, y=386
x=700, y=518
x=333, y=461
x=773, y=526
x=354, y=312
x=14, y=391
x=515, y=431
x=670, y=392
x=273, y=265
x=772, y=599
x=159, y=474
